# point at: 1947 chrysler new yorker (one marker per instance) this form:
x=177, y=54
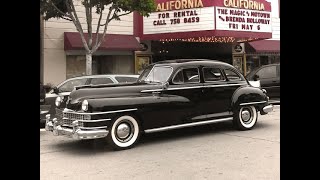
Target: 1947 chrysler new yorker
x=168, y=95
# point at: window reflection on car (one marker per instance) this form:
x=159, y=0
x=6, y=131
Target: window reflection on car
x=158, y=74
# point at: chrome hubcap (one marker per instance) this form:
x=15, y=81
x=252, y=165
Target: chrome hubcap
x=123, y=130
x=245, y=115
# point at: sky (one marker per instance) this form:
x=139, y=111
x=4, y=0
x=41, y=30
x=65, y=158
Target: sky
x=274, y=7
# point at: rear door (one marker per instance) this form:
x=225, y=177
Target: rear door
x=215, y=98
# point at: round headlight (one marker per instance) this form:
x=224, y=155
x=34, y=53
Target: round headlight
x=58, y=101
x=85, y=105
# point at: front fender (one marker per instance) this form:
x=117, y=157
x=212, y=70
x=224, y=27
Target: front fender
x=119, y=103
x=249, y=94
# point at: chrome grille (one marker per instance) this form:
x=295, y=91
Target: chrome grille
x=76, y=116
x=66, y=118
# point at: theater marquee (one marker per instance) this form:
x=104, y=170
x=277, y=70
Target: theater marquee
x=179, y=19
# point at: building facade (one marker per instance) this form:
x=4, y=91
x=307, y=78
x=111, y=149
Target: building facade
x=178, y=29
x=62, y=58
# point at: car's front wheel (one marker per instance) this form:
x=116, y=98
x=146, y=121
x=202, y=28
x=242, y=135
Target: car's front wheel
x=245, y=117
x=124, y=133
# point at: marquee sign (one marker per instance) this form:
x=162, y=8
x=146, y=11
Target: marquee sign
x=203, y=18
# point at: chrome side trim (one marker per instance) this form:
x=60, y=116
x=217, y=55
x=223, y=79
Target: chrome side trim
x=179, y=88
x=187, y=125
x=151, y=90
x=259, y=102
x=107, y=112
x=227, y=113
x=94, y=120
x=225, y=85
x=194, y=87
x=100, y=127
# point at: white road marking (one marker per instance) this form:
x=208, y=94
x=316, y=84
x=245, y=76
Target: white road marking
x=42, y=130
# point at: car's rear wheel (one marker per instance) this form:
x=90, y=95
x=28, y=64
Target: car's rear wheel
x=124, y=133
x=245, y=117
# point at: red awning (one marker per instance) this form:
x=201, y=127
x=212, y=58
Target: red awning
x=72, y=41
x=266, y=45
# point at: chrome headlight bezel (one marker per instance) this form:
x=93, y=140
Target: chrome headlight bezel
x=58, y=101
x=85, y=105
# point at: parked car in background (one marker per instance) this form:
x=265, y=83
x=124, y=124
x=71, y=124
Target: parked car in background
x=168, y=95
x=42, y=94
x=269, y=77
x=63, y=89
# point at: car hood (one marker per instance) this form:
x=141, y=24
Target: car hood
x=110, y=90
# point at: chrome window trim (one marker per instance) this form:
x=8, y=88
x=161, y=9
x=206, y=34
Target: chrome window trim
x=258, y=102
x=241, y=77
x=193, y=87
x=107, y=112
x=187, y=125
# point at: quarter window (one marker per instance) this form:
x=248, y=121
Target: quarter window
x=190, y=75
x=212, y=74
x=232, y=76
x=267, y=72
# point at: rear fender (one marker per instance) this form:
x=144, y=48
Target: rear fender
x=249, y=95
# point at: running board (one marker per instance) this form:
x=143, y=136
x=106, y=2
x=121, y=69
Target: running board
x=187, y=125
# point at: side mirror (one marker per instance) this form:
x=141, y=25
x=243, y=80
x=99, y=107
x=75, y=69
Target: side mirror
x=165, y=85
x=56, y=90
x=255, y=77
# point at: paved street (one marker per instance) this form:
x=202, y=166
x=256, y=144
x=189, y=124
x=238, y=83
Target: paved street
x=214, y=152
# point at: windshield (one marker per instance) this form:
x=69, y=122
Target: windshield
x=157, y=74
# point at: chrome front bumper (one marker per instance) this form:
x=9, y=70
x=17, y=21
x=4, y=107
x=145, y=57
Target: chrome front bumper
x=75, y=132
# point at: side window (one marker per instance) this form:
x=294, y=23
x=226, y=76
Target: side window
x=232, y=76
x=126, y=79
x=212, y=74
x=68, y=86
x=96, y=81
x=190, y=75
x=267, y=72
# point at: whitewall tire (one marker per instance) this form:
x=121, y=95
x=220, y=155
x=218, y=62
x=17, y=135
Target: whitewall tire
x=124, y=133
x=245, y=117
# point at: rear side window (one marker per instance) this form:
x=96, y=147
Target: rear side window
x=126, y=79
x=267, y=72
x=232, y=76
x=189, y=75
x=96, y=81
x=212, y=74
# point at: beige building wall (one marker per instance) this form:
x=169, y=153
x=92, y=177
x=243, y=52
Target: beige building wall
x=54, y=55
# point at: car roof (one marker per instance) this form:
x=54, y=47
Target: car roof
x=105, y=75
x=205, y=62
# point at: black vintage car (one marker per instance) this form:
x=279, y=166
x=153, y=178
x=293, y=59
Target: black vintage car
x=168, y=95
